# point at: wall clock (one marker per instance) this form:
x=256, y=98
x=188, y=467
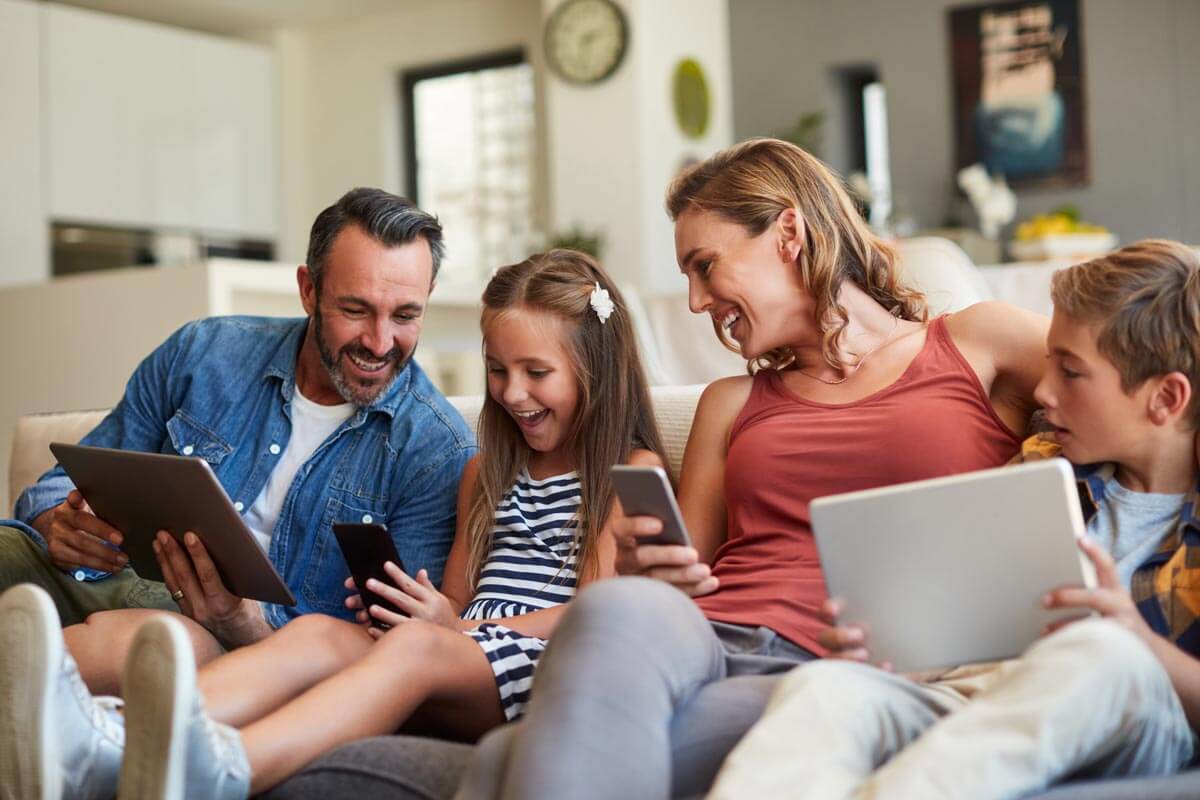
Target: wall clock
x=586, y=39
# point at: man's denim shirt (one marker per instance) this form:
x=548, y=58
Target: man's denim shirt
x=221, y=389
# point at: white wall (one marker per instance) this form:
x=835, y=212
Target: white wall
x=341, y=94
x=696, y=29
x=1142, y=99
x=615, y=146
x=152, y=126
x=71, y=345
x=23, y=236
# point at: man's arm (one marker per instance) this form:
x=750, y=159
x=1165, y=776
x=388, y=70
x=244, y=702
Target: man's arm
x=64, y=525
x=422, y=518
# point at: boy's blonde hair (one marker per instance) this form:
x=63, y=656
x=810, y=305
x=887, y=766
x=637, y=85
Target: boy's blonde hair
x=1145, y=301
x=751, y=184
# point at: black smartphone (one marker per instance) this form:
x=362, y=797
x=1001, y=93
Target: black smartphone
x=645, y=491
x=366, y=548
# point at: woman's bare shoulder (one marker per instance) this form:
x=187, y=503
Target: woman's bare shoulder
x=991, y=322
x=724, y=397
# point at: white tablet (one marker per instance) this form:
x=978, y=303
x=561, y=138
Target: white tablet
x=952, y=570
x=142, y=493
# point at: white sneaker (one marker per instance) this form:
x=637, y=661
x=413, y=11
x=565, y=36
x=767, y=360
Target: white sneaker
x=56, y=740
x=175, y=751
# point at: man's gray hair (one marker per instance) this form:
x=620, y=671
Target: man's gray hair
x=389, y=219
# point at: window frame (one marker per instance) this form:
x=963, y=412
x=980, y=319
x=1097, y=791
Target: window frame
x=409, y=78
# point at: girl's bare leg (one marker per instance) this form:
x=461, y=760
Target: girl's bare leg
x=251, y=682
x=100, y=642
x=414, y=664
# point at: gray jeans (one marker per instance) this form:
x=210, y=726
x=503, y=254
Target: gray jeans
x=637, y=696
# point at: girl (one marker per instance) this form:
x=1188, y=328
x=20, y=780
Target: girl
x=567, y=398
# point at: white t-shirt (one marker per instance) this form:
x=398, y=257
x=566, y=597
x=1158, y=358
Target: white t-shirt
x=312, y=424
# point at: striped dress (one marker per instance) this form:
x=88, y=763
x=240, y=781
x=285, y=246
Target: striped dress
x=531, y=566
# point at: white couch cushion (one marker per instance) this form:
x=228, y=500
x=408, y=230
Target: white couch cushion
x=31, y=455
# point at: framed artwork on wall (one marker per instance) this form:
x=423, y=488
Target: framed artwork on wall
x=1019, y=91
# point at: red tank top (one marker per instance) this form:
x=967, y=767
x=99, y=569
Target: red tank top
x=784, y=451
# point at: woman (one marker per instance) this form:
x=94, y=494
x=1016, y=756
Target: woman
x=645, y=688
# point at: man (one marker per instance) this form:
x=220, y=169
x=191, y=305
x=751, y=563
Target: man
x=305, y=422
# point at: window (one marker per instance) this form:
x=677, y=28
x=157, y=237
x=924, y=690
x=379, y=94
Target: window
x=470, y=159
x=860, y=123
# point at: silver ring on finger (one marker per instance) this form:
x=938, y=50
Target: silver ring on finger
x=177, y=595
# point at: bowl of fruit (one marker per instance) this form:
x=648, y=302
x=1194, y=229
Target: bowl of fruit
x=1060, y=234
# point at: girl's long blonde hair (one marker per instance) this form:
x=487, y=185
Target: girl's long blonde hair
x=612, y=418
x=753, y=182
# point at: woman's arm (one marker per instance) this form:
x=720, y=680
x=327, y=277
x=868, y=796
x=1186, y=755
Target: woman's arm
x=1006, y=346
x=701, y=499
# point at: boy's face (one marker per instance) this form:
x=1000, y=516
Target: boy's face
x=1095, y=420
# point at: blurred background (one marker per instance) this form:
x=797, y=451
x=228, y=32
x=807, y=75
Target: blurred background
x=162, y=160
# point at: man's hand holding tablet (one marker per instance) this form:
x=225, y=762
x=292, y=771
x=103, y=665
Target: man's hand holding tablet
x=196, y=586
x=75, y=537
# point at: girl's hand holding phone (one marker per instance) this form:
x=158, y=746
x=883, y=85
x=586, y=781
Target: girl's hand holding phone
x=417, y=597
x=677, y=565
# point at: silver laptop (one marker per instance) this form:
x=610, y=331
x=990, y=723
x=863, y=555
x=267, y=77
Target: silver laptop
x=952, y=570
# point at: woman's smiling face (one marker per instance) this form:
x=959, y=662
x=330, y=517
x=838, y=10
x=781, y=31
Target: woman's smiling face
x=750, y=285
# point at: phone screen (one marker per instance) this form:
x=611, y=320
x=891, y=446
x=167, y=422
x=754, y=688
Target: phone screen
x=646, y=491
x=366, y=548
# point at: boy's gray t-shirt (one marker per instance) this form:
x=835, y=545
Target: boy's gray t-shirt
x=1130, y=525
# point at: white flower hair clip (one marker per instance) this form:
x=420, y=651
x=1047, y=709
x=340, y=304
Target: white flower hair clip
x=602, y=304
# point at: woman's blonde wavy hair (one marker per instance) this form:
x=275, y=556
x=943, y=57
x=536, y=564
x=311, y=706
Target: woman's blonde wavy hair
x=614, y=414
x=751, y=184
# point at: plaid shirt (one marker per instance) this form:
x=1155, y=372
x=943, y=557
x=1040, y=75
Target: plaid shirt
x=1166, y=588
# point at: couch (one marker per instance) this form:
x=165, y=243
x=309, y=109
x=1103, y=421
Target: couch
x=415, y=768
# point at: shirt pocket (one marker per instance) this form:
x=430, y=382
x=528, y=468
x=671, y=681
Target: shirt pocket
x=190, y=437
x=323, y=589
x=365, y=470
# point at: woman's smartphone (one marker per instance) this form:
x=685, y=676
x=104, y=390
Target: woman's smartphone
x=646, y=491
x=366, y=548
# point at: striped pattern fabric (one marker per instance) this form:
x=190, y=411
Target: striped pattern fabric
x=530, y=567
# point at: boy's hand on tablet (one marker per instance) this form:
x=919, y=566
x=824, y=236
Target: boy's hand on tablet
x=1109, y=599
x=846, y=642
x=416, y=597
x=679, y=566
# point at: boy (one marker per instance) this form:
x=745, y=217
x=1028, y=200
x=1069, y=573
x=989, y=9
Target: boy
x=1106, y=697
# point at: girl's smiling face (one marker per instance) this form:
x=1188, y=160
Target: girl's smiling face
x=531, y=374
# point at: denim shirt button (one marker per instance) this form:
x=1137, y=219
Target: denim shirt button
x=274, y=448
x=238, y=506
x=79, y=575
x=188, y=450
x=368, y=519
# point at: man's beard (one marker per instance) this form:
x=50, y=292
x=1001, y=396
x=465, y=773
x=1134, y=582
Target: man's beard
x=351, y=391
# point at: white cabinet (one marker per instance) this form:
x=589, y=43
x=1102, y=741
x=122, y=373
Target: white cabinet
x=22, y=224
x=156, y=127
